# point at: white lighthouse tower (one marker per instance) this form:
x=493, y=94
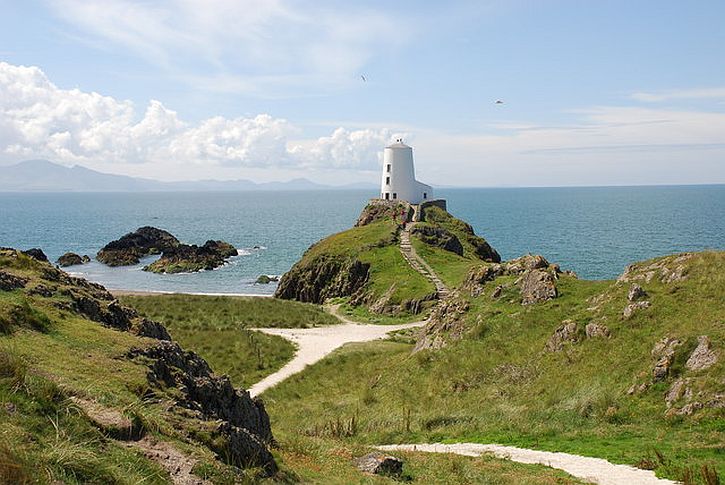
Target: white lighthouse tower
x=398, y=182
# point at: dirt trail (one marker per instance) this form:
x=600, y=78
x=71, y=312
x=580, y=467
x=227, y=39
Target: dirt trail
x=313, y=344
x=593, y=470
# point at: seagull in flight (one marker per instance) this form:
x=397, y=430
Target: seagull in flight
x=363, y=78
x=498, y=101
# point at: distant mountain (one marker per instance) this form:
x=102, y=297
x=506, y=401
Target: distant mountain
x=45, y=176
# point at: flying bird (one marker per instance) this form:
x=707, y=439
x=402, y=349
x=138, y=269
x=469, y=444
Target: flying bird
x=498, y=101
x=363, y=78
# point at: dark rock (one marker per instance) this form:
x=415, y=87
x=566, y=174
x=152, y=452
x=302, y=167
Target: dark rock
x=131, y=247
x=86, y=259
x=537, y=286
x=186, y=258
x=245, y=426
x=567, y=332
x=636, y=293
x=151, y=329
x=325, y=276
x=482, y=249
x=36, y=254
x=380, y=464
x=664, y=353
x=41, y=290
x=438, y=237
x=10, y=282
x=264, y=279
x=497, y=292
x=703, y=356
x=111, y=314
x=69, y=259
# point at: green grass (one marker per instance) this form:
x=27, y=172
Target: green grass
x=216, y=328
x=451, y=268
x=497, y=385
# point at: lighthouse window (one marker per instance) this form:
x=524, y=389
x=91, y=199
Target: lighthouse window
x=425, y=195
x=387, y=169
x=387, y=195
x=395, y=196
x=387, y=180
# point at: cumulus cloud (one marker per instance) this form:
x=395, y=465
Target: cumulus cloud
x=38, y=119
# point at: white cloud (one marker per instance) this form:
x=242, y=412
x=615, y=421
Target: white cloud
x=260, y=46
x=38, y=119
x=699, y=93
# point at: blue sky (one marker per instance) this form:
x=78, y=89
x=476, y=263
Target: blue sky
x=594, y=93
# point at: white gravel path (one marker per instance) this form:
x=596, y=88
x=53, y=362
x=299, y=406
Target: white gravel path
x=594, y=470
x=313, y=344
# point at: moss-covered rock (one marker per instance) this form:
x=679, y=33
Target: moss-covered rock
x=186, y=258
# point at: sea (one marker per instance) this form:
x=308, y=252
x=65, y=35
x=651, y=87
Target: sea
x=594, y=231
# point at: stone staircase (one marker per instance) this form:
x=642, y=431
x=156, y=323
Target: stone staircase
x=419, y=264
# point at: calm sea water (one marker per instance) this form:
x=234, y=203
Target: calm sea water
x=593, y=231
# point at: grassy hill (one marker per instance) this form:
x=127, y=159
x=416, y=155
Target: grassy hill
x=508, y=373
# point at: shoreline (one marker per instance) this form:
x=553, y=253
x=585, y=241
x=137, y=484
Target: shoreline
x=122, y=292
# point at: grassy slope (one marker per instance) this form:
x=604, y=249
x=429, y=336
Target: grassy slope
x=497, y=385
x=215, y=327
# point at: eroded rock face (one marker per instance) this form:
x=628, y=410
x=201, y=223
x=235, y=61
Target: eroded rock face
x=186, y=258
x=668, y=270
x=10, y=282
x=131, y=247
x=479, y=276
x=244, y=427
x=566, y=333
x=36, y=254
x=703, y=356
x=380, y=464
x=379, y=209
x=537, y=286
x=326, y=276
x=438, y=237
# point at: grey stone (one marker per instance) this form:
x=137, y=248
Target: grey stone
x=703, y=356
x=380, y=464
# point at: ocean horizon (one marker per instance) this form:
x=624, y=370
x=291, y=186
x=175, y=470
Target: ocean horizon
x=594, y=231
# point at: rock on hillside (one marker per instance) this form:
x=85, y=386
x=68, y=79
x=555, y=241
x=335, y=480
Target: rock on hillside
x=129, y=249
x=326, y=276
x=72, y=259
x=378, y=209
x=186, y=258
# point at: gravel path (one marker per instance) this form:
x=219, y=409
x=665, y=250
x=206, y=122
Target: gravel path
x=313, y=344
x=594, y=470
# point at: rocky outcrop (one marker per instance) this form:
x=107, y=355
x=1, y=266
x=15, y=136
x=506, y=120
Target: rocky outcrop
x=72, y=259
x=186, y=258
x=594, y=330
x=667, y=270
x=635, y=293
x=664, y=353
x=438, y=237
x=379, y=463
x=322, y=277
x=703, y=356
x=265, y=279
x=379, y=209
x=37, y=254
x=10, y=282
x=243, y=432
x=565, y=333
x=445, y=323
x=630, y=309
x=129, y=249
x=537, y=286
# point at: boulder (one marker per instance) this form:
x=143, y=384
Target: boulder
x=445, y=323
x=265, y=279
x=131, y=247
x=635, y=293
x=149, y=328
x=566, y=333
x=630, y=309
x=36, y=254
x=594, y=330
x=537, y=286
x=703, y=356
x=380, y=464
x=70, y=259
x=526, y=263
